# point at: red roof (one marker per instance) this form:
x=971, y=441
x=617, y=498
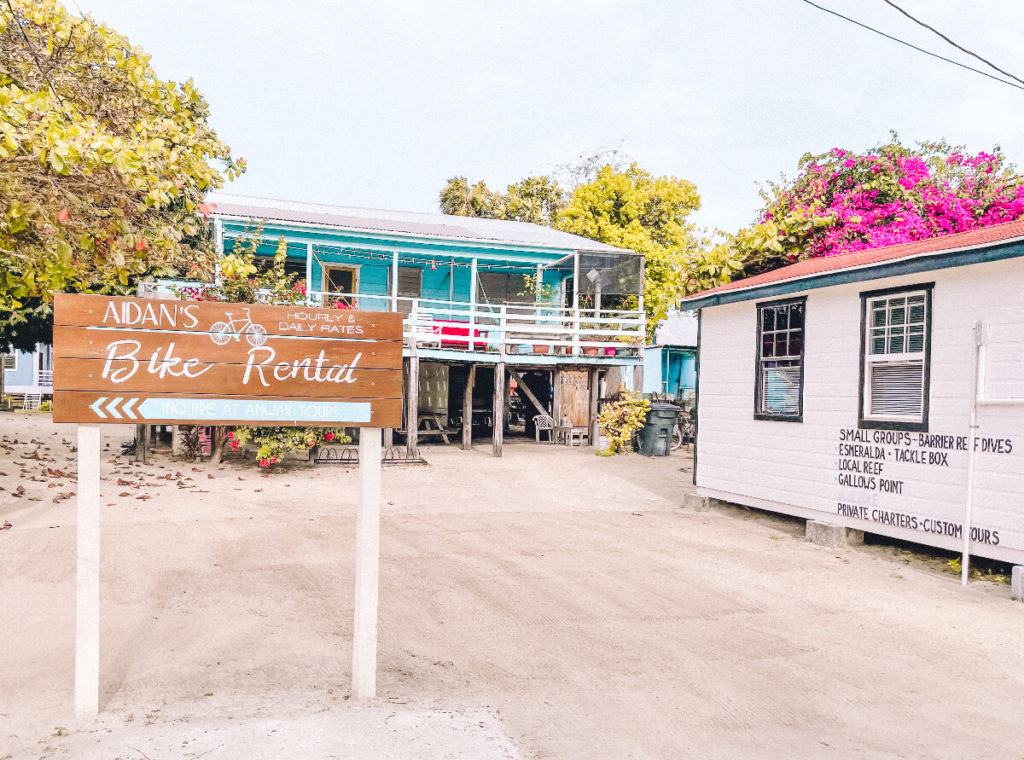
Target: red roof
x=984, y=236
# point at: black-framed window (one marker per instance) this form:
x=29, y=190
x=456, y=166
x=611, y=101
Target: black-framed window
x=895, y=358
x=779, y=384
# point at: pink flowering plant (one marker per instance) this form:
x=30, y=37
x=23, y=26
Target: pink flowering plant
x=274, y=442
x=842, y=201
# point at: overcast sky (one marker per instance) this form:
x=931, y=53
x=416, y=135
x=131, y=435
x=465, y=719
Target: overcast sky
x=378, y=103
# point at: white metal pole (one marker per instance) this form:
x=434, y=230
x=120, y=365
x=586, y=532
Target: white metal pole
x=472, y=305
x=364, y=638
x=978, y=384
x=576, y=303
x=394, y=281
x=87, y=580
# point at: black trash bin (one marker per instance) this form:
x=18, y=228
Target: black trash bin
x=656, y=434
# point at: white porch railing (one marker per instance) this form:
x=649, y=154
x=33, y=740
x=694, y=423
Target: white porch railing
x=45, y=378
x=507, y=328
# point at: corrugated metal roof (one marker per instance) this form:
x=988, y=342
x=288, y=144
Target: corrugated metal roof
x=810, y=268
x=403, y=222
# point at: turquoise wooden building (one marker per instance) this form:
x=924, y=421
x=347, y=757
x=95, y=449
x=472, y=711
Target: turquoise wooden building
x=485, y=302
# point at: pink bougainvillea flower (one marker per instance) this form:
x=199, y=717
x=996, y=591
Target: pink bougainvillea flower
x=328, y=436
x=264, y=463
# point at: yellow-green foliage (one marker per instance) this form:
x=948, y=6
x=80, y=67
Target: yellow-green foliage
x=709, y=267
x=634, y=209
x=620, y=419
x=103, y=166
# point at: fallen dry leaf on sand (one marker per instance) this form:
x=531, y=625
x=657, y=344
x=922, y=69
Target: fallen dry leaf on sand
x=6, y=526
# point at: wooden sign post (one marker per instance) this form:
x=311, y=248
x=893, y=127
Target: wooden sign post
x=134, y=360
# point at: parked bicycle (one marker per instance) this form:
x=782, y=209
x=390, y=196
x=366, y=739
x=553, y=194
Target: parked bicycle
x=222, y=332
x=684, y=431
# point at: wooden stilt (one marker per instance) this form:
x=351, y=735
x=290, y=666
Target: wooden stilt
x=556, y=396
x=141, y=441
x=500, y=386
x=412, y=409
x=389, y=437
x=595, y=395
x=467, y=409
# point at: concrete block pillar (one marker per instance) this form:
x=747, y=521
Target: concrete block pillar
x=1017, y=583
x=827, y=534
x=697, y=503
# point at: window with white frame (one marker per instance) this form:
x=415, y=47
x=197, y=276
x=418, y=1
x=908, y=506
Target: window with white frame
x=779, y=387
x=10, y=362
x=894, y=358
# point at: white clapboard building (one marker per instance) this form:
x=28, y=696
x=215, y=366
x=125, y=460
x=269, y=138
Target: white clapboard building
x=843, y=389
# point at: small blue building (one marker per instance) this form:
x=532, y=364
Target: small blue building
x=670, y=365
x=29, y=372
x=485, y=301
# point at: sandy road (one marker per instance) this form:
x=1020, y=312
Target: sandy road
x=555, y=604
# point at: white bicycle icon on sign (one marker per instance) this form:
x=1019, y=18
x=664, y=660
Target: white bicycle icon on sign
x=222, y=332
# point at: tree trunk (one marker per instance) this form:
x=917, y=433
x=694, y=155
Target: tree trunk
x=218, y=440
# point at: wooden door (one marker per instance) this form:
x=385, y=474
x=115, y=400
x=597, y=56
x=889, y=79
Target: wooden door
x=575, y=397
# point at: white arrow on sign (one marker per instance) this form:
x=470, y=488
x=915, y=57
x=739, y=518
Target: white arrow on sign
x=112, y=408
x=126, y=408
x=96, y=407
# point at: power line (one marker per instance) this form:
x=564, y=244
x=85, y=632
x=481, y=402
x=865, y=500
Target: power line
x=915, y=47
x=947, y=39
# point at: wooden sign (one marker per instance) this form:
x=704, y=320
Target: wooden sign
x=165, y=361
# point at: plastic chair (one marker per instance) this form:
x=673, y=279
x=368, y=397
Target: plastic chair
x=542, y=422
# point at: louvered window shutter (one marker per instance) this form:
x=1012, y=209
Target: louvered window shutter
x=781, y=390
x=897, y=390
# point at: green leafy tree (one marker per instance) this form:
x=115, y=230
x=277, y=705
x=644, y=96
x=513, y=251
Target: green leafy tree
x=535, y=199
x=459, y=198
x=634, y=209
x=103, y=167
x=538, y=200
